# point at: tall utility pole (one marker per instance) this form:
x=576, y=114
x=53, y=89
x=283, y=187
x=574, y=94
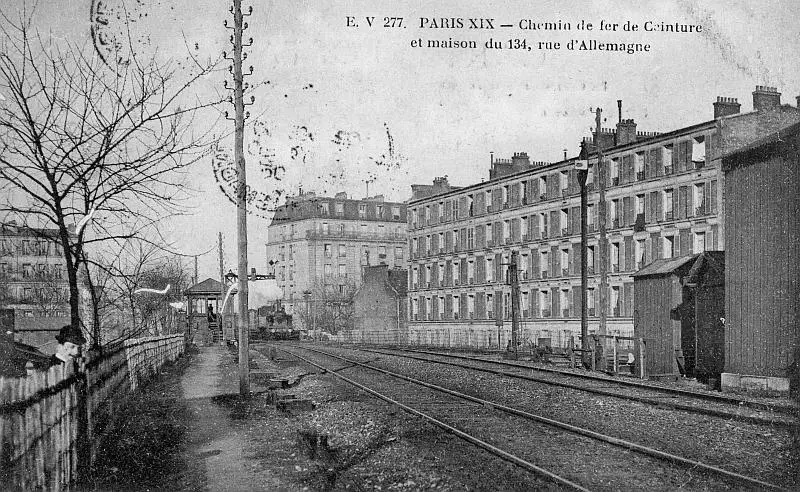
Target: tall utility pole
x=583, y=173
x=220, y=314
x=603, y=246
x=241, y=193
x=513, y=273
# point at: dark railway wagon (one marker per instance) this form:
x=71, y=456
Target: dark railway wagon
x=762, y=243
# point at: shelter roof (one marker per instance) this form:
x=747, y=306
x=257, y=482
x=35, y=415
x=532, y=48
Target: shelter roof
x=207, y=286
x=665, y=266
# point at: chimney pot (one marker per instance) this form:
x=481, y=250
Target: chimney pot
x=726, y=106
x=766, y=98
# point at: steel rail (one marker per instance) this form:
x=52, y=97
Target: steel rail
x=694, y=464
x=756, y=405
x=463, y=435
x=642, y=399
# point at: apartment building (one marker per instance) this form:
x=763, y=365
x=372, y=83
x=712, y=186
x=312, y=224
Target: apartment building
x=662, y=199
x=324, y=242
x=33, y=283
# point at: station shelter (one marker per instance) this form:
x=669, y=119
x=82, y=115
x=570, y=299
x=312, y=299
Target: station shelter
x=679, y=311
x=203, y=303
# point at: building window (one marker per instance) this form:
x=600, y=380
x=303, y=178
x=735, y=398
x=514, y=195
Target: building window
x=441, y=307
x=471, y=306
x=638, y=165
x=379, y=211
x=506, y=231
x=396, y=213
x=440, y=273
x=506, y=305
x=590, y=217
x=544, y=303
x=427, y=276
x=614, y=171
x=441, y=242
x=489, y=270
x=489, y=306
x=699, y=242
x=414, y=218
x=639, y=249
x=639, y=205
x=615, y=249
x=564, y=219
x=428, y=310
x=523, y=228
x=488, y=200
x=668, y=205
x=362, y=210
x=699, y=152
x=563, y=182
x=382, y=254
x=414, y=278
x=698, y=193
x=324, y=208
x=364, y=254
x=456, y=272
x=542, y=187
x=398, y=252
x=328, y=248
x=415, y=308
x=328, y=270
x=505, y=197
x=456, y=305
x=342, y=250
x=455, y=209
x=342, y=270
x=524, y=301
x=470, y=238
x=471, y=270
x=524, y=264
x=669, y=246
x=566, y=308
x=489, y=230
x=428, y=244
x=590, y=307
x=470, y=210
x=339, y=208
x=427, y=214
x=543, y=225
x=543, y=262
x=565, y=262
x=614, y=302
x=27, y=270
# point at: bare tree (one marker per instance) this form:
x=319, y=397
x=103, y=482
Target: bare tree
x=331, y=307
x=90, y=144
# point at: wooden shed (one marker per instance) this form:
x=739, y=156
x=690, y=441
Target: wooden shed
x=762, y=242
x=678, y=310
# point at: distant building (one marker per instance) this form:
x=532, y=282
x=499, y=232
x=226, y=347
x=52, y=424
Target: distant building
x=33, y=283
x=322, y=244
x=380, y=306
x=663, y=199
x=762, y=237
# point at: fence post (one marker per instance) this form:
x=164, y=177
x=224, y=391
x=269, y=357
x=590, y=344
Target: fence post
x=641, y=358
x=614, y=367
x=591, y=353
x=83, y=436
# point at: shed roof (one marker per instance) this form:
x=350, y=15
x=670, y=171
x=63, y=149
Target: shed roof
x=773, y=138
x=207, y=286
x=665, y=266
x=708, y=261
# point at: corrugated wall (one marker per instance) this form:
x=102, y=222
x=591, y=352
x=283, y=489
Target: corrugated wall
x=761, y=224
x=654, y=298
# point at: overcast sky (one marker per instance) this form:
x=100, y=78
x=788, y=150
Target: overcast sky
x=424, y=112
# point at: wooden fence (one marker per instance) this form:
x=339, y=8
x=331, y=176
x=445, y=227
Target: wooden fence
x=51, y=421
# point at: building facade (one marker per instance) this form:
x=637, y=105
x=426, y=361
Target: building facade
x=321, y=245
x=33, y=283
x=661, y=199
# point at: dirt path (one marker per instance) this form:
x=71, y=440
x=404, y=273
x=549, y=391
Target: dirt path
x=190, y=430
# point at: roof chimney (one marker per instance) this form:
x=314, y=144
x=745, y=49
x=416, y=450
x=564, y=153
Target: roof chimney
x=619, y=110
x=726, y=106
x=520, y=161
x=626, y=132
x=766, y=98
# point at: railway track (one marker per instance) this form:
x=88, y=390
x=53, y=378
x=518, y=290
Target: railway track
x=723, y=406
x=565, y=454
